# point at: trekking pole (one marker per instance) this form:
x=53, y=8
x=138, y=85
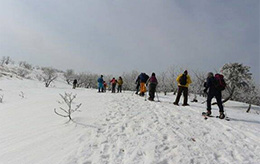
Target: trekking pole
x=157, y=96
x=133, y=92
x=206, y=98
x=203, y=102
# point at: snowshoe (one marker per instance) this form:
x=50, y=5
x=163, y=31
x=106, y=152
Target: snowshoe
x=221, y=116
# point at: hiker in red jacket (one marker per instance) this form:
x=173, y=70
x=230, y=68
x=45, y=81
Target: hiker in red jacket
x=113, y=82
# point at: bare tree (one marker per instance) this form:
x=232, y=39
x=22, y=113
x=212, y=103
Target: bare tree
x=173, y=73
x=69, y=75
x=25, y=65
x=163, y=84
x=23, y=72
x=49, y=75
x=198, y=84
x=67, y=99
x=248, y=93
x=129, y=80
x=6, y=60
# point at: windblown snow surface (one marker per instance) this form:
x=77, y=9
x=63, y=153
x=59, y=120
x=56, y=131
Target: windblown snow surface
x=119, y=129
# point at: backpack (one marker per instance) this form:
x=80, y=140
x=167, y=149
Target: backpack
x=219, y=83
x=183, y=79
x=146, y=77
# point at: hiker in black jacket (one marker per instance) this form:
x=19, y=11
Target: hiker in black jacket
x=212, y=91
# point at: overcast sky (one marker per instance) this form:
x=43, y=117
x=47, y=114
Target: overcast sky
x=116, y=36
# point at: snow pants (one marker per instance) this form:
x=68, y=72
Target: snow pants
x=218, y=97
x=100, y=87
x=152, y=90
x=142, y=88
x=114, y=88
x=119, y=88
x=183, y=90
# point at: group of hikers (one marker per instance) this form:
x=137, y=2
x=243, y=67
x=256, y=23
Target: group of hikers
x=214, y=85
x=102, y=85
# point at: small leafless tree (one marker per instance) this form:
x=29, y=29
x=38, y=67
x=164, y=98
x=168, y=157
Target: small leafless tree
x=25, y=65
x=49, y=75
x=67, y=99
x=69, y=75
x=163, y=83
x=198, y=84
x=6, y=60
x=129, y=80
x=23, y=72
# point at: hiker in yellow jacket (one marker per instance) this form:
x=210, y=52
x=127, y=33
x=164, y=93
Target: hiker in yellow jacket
x=119, y=84
x=184, y=81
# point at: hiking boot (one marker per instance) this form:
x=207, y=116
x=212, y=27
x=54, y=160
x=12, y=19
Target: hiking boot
x=176, y=103
x=208, y=113
x=221, y=115
x=185, y=105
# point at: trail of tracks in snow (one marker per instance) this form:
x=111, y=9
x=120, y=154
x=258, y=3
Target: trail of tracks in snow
x=135, y=131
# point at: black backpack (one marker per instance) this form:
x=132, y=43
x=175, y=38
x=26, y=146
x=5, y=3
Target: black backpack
x=183, y=79
x=146, y=77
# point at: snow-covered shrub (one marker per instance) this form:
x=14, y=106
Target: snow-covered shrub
x=49, y=75
x=129, y=80
x=67, y=100
x=197, y=85
x=6, y=60
x=39, y=77
x=23, y=72
x=173, y=73
x=87, y=80
x=25, y=65
x=164, y=82
x=239, y=81
x=249, y=94
x=69, y=75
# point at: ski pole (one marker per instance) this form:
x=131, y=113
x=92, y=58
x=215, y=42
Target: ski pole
x=157, y=96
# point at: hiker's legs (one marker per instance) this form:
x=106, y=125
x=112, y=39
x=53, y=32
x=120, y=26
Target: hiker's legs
x=185, y=95
x=180, y=90
x=219, y=102
x=209, y=98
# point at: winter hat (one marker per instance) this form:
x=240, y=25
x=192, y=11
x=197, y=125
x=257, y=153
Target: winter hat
x=210, y=74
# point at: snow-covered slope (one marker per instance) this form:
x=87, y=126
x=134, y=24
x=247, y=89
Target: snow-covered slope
x=119, y=129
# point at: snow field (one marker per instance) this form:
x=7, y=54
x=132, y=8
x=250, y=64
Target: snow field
x=119, y=129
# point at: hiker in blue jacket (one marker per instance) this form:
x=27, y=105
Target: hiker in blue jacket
x=100, y=84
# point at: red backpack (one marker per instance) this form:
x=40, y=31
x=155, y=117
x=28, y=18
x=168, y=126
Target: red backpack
x=220, y=83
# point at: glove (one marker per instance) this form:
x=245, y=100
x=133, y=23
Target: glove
x=205, y=90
